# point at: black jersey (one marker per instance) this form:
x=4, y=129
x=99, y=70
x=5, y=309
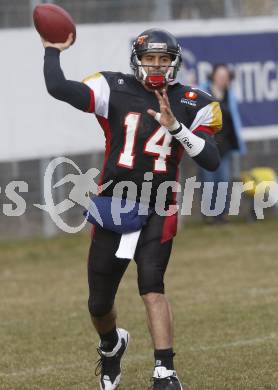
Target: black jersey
x=135, y=142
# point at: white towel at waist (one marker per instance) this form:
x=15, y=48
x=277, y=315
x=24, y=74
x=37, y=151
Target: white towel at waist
x=127, y=246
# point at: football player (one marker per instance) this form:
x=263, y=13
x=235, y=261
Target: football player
x=148, y=120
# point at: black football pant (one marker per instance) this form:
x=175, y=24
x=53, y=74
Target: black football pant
x=105, y=270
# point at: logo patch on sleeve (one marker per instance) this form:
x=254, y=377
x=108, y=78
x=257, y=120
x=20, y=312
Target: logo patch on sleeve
x=191, y=95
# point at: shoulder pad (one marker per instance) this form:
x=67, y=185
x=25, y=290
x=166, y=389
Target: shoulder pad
x=115, y=79
x=202, y=98
x=107, y=75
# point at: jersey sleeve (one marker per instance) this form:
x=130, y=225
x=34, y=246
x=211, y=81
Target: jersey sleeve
x=208, y=119
x=207, y=116
x=100, y=94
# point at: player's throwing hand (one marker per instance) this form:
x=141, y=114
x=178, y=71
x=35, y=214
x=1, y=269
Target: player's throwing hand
x=61, y=46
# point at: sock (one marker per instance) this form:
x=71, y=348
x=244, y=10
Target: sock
x=164, y=358
x=109, y=340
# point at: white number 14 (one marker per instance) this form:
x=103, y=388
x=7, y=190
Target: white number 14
x=158, y=144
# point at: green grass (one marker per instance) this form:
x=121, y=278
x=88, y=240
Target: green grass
x=222, y=283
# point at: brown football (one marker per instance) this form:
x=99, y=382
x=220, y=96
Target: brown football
x=53, y=23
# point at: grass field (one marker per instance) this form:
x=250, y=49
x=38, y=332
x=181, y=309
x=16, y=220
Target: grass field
x=223, y=285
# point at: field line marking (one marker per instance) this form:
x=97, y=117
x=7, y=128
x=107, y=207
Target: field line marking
x=234, y=344
x=47, y=369
x=42, y=370
x=136, y=357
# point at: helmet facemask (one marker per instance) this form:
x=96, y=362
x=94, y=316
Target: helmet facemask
x=155, y=80
x=155, y=41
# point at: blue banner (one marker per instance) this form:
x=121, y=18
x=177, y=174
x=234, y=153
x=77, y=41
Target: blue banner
x=254, y=59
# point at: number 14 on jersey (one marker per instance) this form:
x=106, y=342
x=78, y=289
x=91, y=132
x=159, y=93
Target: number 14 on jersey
x=157, y=145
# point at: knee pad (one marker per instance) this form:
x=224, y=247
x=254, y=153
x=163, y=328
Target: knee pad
x=99, y=309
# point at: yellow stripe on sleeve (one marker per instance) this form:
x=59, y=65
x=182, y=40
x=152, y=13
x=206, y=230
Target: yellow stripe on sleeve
x=216, y=120
x=92, y=77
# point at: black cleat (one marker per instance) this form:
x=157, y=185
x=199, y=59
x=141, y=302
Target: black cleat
x=109, y=364
x=164, y=379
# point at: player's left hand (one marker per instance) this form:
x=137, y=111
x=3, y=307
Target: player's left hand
x=166, y=117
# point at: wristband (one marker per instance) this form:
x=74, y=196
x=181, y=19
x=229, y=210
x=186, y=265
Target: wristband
x=175, y=126
x=191, y=142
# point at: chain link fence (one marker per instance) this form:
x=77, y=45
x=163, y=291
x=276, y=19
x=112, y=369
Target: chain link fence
x=17, y=13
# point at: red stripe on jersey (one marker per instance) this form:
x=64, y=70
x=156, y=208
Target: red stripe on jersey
x=93, y=231
x=104, y=123
x=205, y=129
x=170, y=224
x=169, y=227
x=92, y=101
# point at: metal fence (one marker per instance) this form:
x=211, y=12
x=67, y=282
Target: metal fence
x=18, y=13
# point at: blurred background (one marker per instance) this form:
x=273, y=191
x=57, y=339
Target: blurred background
x=17, y=13
x=35, y=128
